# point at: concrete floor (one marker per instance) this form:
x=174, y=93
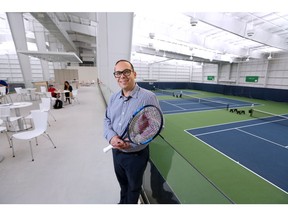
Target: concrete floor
x=76, y=172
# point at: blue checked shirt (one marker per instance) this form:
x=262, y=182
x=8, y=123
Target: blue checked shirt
x=120, y=110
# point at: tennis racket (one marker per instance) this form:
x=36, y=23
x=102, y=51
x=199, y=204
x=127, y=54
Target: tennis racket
x=145, y=124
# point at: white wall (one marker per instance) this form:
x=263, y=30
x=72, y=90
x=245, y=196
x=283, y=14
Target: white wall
x=272, y=73
x=86, y=73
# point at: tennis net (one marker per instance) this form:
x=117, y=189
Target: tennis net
x=164, y=92
x=269, y=117
x=206, y=102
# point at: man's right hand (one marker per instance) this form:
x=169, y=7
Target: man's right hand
x=118, y=143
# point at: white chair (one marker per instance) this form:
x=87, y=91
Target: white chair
x=42, y=92
x=25, y=95
x=29, y=117
x=53, y=99
x=5, y=115
x=3, y=90
x=46, y=106
x=75, y=95
x=3, y=95
x=18, y=92
x=40, y=126
x=4, y=130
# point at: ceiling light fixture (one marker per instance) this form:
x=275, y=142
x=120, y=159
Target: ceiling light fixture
x=151, y=35
x=193, y=21
x=250, y=32
x=250, y=29
x=269, y=57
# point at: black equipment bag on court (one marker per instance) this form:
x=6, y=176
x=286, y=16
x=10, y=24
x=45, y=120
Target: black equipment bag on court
x=58, y=104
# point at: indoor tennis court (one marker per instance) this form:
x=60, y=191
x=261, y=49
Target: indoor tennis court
x=259, y=146
x=188, y=103
x=243, y=159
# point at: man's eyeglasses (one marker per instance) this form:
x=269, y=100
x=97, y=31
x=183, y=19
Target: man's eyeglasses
x=125, y=72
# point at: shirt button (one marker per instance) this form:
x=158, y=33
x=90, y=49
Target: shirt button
x=123, y=113
x=120, y=124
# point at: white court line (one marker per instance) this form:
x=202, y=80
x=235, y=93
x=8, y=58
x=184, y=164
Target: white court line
x=178, y=112
x=270, y=141
x=245, y=126
x=188, y=110
x=237, y=162
x=173, y=105
x=239, y=129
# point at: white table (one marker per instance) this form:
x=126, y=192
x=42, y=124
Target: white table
x=17, y=106
x=62, y=94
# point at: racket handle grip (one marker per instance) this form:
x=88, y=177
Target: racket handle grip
x=106, y=149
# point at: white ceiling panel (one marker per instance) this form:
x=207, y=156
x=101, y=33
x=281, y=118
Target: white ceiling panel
x=54, y=56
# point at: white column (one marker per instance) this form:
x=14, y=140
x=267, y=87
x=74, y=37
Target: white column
x=114, y=41
x=219, y=68
x=266, y=73
x=202, y=73
x=16, y=24
x=41, y=45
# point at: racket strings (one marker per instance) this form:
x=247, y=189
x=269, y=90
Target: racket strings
x=145, y=125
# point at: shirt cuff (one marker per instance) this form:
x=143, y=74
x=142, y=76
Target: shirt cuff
x=110, y=135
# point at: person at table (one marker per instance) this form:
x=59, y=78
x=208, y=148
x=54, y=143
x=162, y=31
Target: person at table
x=52, y=90
x=69, y=88
x=4, y=83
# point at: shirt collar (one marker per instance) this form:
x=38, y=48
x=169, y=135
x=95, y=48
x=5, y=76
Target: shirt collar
x=133, y=93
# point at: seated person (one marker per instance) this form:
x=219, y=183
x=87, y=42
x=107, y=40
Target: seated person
x=69, y=88
x=52, y=90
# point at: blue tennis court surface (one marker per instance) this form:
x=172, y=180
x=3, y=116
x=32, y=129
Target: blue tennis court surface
x=179, y=105
x=260, y=146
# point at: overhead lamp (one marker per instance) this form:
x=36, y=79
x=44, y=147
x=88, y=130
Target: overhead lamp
x=164, y=54
x=250, y=29
x=269, y=57
x=250, y=32
x=191, y=57
x=248, y=58
x=151, y=35
x=193, y=21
